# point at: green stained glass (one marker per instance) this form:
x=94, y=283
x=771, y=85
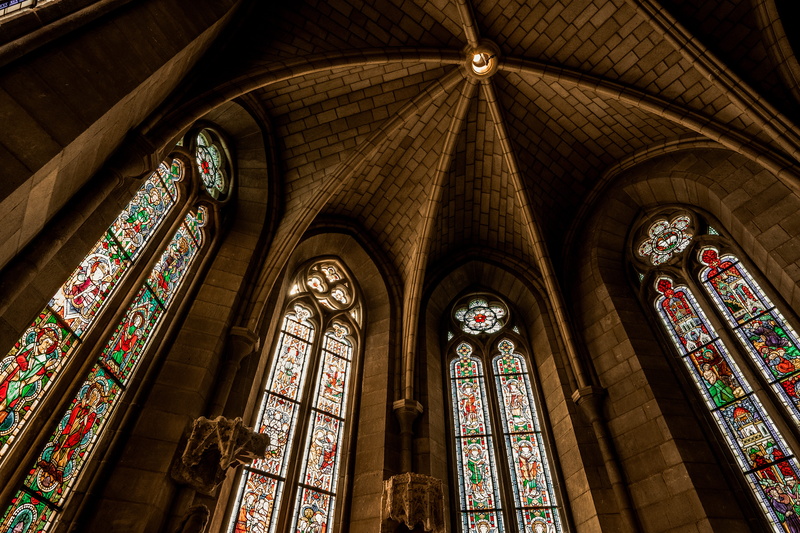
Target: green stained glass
x=144, y=214
x=26, y=372
x=123, y=350
x=70, y=446
x=170, y=269
x=27, y=514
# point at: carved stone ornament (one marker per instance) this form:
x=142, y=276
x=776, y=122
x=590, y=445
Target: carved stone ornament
x=213, y=447
x=414, y=500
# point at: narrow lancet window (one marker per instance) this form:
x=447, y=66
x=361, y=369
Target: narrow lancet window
x=61, y=461
x=304, y=410
x=477, y=470
x=534, y=496
x=47, y=345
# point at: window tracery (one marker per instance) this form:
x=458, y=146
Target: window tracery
x=297, y=486
x=765, y=459
x=497, y=429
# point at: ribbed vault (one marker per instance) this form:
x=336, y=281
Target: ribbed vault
x=377, y=118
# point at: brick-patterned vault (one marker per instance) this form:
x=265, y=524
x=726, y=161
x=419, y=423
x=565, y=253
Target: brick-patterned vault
x=378, y=120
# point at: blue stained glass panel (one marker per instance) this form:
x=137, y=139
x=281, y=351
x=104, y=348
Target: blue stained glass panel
x=477, y=473
x=313, y=511
x=10, y=6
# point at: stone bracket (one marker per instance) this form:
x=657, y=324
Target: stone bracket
x=213, y=447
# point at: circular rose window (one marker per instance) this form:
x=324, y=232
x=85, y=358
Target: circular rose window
x=479, y=315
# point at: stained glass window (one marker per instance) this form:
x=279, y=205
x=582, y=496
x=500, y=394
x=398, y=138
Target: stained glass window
x=529, y=502
x=480, y=503
x=666, y=239
x=761, y=328
x=304, y=416
x=530, y=472
x=45, y=347
x=479, y=315
x=211, y=162
x=62, y=459
x=760, y=450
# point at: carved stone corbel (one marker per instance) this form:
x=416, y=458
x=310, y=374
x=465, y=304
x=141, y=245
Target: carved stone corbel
x=213, y=447
x=415, y=500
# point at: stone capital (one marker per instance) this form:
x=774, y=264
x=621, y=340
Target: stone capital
x=415, y=500
x=589, y=399
x=241, y=343
x=213, y=447
x=406, y=411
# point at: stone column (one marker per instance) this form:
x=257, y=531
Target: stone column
x=590, y=400
x=241, y=343
x=407, y=411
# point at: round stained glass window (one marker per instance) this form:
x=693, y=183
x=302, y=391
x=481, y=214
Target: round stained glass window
x=210, y=157
x=666, y=239
x=480, y=315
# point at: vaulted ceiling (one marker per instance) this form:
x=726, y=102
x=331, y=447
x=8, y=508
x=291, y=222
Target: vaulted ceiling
x=377, y=117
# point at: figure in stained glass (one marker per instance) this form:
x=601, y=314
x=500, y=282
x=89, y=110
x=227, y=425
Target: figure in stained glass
x=22, y=372
x=288, y=370
x=470, y=406
x=786, y=509
x=312, y=520
x=75, y=426
x=333, y=379
x=80, y=297
x=530, y=472
x=517, y=405
x=322, y=455
x=477, y=469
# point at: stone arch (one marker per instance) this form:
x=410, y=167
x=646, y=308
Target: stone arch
x=570, y=434
x=666, y=452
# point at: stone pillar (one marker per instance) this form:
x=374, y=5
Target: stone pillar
x=590, y=400
x=415, y=500
x=407, y=411
x=241, y=343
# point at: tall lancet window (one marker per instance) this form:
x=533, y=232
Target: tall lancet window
x=728, y=376
x=305, y=409
x=127, y=286
x=505, y=480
